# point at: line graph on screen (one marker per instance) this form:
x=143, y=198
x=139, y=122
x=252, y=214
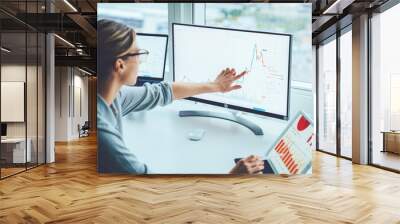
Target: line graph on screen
x=260, y=69
x=261, y=61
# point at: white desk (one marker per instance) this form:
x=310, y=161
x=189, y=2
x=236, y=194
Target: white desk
x=16, y=147
x=158, y=138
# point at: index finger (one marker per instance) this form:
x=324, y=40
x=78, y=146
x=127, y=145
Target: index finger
x=240, y=75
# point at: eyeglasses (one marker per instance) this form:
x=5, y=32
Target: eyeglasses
x=142, y=54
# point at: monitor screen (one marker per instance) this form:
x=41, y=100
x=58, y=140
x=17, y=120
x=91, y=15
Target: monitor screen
x=201, y=52
x=154, y=66
x=3, y=129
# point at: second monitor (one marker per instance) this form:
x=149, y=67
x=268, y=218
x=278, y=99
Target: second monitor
x=153, y=69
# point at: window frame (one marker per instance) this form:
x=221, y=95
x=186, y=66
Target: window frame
x=334, y=37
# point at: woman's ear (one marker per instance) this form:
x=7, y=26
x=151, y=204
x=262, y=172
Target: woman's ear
x=119, y=66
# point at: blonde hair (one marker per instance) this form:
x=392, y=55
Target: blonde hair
x=113, y=39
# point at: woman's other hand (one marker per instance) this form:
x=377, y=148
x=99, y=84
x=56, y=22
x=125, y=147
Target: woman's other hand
x=250, y=165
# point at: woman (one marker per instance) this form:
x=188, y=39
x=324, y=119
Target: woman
x=118, y=62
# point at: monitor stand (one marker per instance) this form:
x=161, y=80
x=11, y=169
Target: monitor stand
x=226, y=116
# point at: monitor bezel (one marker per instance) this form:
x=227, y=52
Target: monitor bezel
x=230, y=106
x=153, y=79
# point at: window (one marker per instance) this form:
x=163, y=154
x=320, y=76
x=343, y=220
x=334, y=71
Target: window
x=327, y=96
x=22, y=88
x=145, y=18
x=346, y=94
x=385, y=88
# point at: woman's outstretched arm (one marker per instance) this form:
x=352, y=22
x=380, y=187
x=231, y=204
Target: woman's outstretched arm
x=151, y=95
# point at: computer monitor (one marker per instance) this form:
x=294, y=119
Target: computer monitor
x=154, y=68
x=201, y=52
x=3, y=130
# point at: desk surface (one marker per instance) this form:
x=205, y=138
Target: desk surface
x=159, y=139
x=13, y=140
x=391, y=132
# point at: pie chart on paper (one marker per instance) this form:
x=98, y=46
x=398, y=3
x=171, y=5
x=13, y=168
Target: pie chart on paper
x=302, y=124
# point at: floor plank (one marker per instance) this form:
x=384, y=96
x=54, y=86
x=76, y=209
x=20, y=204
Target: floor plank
x=71, y=191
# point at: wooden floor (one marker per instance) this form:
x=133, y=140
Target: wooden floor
x=8, y=171
x=387, y=159
x=5, y=172
x=70, y=191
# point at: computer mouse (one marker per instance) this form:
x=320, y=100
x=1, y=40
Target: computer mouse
x=196, y=135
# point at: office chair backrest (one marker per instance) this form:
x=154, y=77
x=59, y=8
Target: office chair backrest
x=86, y=125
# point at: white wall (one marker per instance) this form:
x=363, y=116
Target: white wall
x=61, y=103
x=70, y=82
x=79, y=117
x=12, y=73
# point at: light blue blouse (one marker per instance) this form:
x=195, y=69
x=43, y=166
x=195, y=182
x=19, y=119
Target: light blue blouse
x=113, y=156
